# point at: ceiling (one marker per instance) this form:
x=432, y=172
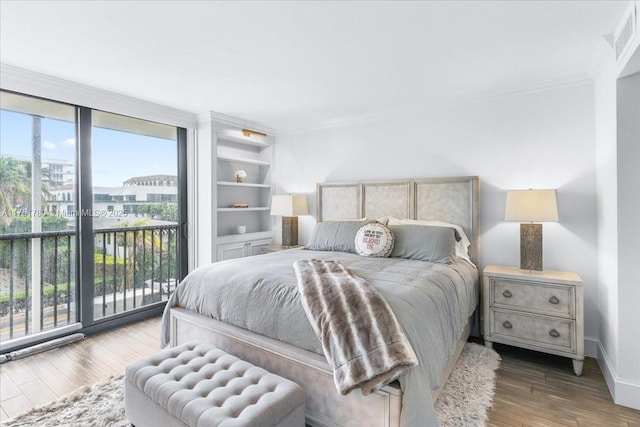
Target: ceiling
x=295, y=65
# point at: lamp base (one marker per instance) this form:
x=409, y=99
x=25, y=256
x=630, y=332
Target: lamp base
x=531, y=247
x=289, y=231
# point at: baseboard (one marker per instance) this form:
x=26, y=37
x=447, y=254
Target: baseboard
x=627, y=394
x=591, y=347
x=624, y=392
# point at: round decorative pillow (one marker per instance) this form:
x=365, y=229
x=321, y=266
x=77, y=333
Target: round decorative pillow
x=374, y=240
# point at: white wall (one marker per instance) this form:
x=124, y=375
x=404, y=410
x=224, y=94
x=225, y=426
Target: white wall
x=607, y=208
x=535, y=140
x=617, y=119
x=628, y=138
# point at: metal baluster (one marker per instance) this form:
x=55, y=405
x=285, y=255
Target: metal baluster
x=69, y=279
x=26, y=286
x=124, y=286
x=161, y=233
x=55, y=282
x=41, y=287
x=11, y=297
x=104, y=273
x=135, y=255
x=153, y=235
x=115, y=270
x=169, y=233
x=144, y=263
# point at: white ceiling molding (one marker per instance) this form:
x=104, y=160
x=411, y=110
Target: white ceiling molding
x=560, y=83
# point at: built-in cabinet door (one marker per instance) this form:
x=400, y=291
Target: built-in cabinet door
x=256, y=247
x=242, y=249
x=231, y=251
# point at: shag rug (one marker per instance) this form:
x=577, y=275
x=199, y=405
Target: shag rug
x=463, y=401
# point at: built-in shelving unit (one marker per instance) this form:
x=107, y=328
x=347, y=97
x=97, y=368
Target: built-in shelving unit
x=254, y=155
x=226, y=230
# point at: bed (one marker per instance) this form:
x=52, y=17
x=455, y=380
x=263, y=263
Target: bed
x=250, y=307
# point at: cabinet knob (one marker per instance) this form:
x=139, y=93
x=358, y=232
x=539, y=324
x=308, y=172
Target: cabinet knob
x=554, y=300
x=507, y=294
x=554, y=333
x=508, y=325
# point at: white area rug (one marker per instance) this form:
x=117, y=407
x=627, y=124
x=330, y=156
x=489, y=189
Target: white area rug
x=463, y=402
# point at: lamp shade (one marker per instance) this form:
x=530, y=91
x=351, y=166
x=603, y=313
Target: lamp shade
x=531, y=205
x=288, y=205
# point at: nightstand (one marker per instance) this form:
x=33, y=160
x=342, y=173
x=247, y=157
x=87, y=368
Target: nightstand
x=537, y=310
x=275, y=248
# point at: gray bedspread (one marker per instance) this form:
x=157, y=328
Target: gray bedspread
x=431, y=301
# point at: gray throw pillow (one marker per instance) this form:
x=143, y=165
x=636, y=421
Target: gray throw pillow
x=423, y=242
x=336, y=235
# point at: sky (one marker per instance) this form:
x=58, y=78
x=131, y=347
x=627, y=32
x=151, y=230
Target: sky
x=116, y=156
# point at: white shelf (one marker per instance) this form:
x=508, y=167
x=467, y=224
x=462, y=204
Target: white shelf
x=259, y=208
x=244, y=160
x=238, y=140
x=243, y=184
x=232, y=238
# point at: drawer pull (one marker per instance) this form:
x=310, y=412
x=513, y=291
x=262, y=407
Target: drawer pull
x=507, y=294
x=508, y=325
x=554, y=300
x=554, y=333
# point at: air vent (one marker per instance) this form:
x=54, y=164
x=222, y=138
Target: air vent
x=626, y=34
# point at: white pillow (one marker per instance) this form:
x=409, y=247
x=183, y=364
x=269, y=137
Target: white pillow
x=374, y=240
x=462, y=247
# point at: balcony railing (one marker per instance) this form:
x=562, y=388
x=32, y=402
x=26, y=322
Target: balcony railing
x=133, y=267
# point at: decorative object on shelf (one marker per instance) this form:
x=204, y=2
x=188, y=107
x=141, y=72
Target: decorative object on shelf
x=239, y=205
x=289, y=207
x=242, y=229
x=240, y=175
x=531, y=205
x=249, y=132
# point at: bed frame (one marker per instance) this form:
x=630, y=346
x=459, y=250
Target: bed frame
x=454, y=200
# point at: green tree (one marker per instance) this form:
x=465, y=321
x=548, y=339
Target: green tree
x=15, y=187
x=163, y=211
x=136, y=243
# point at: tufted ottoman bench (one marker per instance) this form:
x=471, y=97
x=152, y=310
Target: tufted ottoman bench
x=195, y=384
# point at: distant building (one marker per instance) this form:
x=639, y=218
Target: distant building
x=125, y=203
x=60, y=171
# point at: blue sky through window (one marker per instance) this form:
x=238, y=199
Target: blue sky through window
x=117, y=156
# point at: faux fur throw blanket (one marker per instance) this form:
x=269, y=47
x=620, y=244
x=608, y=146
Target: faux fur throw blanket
x=360, y=335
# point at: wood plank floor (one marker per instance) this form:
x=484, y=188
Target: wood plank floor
x=532, y=389
x=41, y=378
x=537, y=389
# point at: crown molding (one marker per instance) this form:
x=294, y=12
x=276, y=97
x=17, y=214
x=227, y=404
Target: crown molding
x=57, y=89
x=540, y=86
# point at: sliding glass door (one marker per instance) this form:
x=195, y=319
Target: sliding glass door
x=136, y=212
x=37, y=217
x=93, y=218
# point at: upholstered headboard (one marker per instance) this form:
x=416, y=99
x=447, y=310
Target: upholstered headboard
x=451, y=199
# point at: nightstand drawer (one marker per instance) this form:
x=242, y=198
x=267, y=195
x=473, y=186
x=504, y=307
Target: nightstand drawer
x=535, y=297
x=534, y=330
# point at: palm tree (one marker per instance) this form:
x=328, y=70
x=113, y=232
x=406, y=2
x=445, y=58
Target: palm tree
x=15, y=186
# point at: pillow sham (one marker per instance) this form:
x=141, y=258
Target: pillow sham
x=374, y=240
x=336, y=235
x=463, y=242
x=424, y=242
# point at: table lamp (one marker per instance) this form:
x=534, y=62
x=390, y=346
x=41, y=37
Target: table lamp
x=289, y=207
x=531, y=206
